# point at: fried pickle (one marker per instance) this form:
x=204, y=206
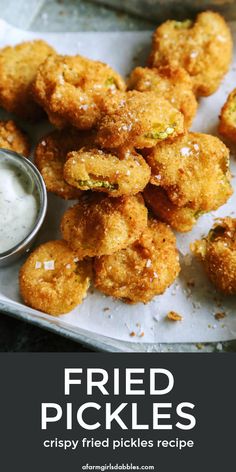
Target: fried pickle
x=143, y=270
x=181, y=219
x=18, y=67
x=53, y=280
x=203, y=48
x=100, y=225
x=71, y=89
x=105, y=172
x=217, y=252
x=172, y=83
x=139, y=119
x=50, y=156
x=227, y=125
x=193, y=170
x=13, y=138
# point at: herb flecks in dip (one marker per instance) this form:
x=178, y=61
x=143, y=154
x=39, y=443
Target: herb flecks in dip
x=18, y=204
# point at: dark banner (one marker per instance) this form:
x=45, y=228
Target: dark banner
x=75, y=412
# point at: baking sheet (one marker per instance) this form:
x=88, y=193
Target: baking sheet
x=101, y=315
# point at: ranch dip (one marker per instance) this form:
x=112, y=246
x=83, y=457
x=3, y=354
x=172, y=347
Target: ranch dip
x=18, y=204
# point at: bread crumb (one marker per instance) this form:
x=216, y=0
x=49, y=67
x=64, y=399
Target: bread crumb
x=199, y=346
x=173, y=316
x=220, y=315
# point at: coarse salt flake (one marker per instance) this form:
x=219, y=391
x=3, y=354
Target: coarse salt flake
x=126, y=127
x=49, y=265
x=185, y=151
x=83, y=107
x=68, y=266
x=121, y=103
x=38, y=265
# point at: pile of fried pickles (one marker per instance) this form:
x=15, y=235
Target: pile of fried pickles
x=123, y=151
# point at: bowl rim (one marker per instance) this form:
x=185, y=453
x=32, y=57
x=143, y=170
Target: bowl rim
x=25, y=164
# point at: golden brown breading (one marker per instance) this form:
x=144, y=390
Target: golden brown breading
x=217, y=251
x=139, y=119
x=53, y=280
x=193, y=170
x=13, y=138
x=173, y=84
x=203, y=48
x=102, y=171
x=181, y=219
x=227, y=125
x=142, y=270
x=18, y=67
x=100, y=225
x=50, y=157
x=71, y=88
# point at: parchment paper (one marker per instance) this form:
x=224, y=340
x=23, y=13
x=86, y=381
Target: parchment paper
x=101, y=314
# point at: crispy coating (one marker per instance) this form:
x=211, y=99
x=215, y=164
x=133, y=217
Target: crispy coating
x=193, y=170
x=180, y=219
x=50, y=157
x=203, y=48
x=106, y=172
x=142, y=270
x=100, y=225
x=53, y=280
x=172, y=83
x=139, y=119
x=71, y=89
x=217, y=252
x=18, y=67
x=227, y=125
x=13, y=138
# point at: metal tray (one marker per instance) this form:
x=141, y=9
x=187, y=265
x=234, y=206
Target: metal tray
x=160, y=10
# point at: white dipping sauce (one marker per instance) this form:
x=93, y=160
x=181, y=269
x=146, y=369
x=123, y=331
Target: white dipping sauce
x=18, y=205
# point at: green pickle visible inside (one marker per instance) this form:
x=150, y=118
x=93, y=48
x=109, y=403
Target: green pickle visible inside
x=232, y=108
x=198, y=213
x=110, y=81
x=97, y=184
x=183, y=24
x=160, y=134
